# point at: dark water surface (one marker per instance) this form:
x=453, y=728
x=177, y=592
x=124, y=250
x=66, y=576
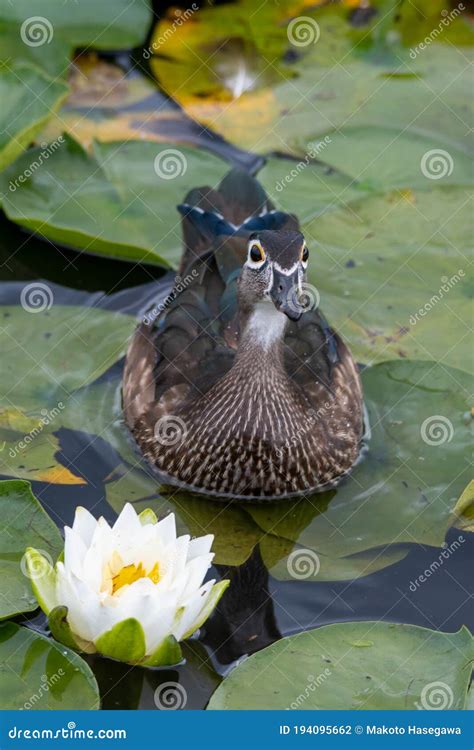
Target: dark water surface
x=257, y=609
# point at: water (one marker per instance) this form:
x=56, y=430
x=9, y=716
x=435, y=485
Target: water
x=258, y=608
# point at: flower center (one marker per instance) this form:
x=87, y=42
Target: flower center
x=131, y=573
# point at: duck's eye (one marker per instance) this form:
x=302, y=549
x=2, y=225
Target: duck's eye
x=256, y=253
x=305, y=254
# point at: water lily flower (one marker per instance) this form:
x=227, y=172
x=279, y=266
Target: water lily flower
x=132, y=591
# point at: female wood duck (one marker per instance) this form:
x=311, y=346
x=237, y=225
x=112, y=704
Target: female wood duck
x=236, y=386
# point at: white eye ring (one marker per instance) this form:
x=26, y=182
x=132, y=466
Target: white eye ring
x=255, y=263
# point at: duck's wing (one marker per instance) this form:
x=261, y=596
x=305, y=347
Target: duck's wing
x=189, y=342
x=321, y=365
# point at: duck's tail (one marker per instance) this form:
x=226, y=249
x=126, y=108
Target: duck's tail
x=238, y=207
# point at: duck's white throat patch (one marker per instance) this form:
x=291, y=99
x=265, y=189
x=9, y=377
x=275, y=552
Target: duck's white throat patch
x=266, y=324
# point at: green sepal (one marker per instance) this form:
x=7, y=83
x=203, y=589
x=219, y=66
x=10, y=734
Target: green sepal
x=61, y=631
x=147, y=516
x=167, y=654
x=124, y=642
x=44, y=586
x=216, y=593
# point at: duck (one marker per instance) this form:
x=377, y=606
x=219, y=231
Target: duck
x=235, y=385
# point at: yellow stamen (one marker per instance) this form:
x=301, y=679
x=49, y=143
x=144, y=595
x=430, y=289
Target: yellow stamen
x=131, y=573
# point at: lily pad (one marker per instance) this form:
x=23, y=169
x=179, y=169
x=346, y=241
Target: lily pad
x=24, y=524
x=275, y=85
x=356, y=665
x=405, y=488
x=393, y=274
x=62, y=349
x=39, y=674
x=31, y=453
x=47, y=32
x=119, y=201
x=22, y=115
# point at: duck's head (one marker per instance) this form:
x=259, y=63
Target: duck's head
x=274, y=272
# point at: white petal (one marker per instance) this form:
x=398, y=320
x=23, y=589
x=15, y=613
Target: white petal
x=196, y=571
x=166, y=529
x=84, y=524
x=192, y=610
x=127, y=522
x=200, y=546
x=74, y=551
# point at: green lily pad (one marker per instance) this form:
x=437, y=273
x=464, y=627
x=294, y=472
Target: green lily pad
x=22, y=116
x=405, y=489
x=24, y=524
x=356, y=665
x=37, y=673
x=63, y=348
x=47, y=32
x=29, y=451
x=265, y=89
x=119, y=201
x=392, y=271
